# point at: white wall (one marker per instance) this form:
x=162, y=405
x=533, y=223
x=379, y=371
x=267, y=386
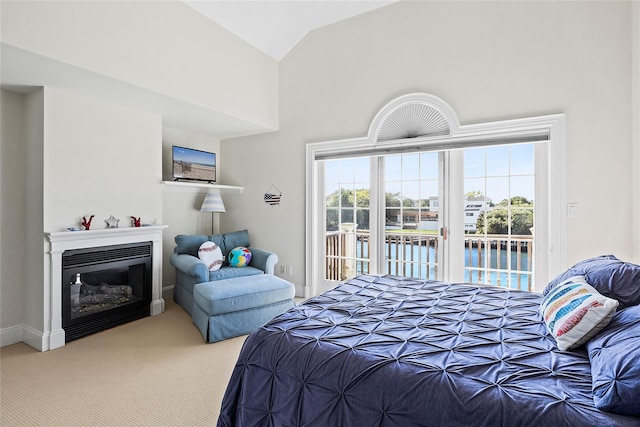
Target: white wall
x=35, y=262
x=78, y=157
x=12, y=198
x=99, y=159
x=163, y=46
x=489, y=61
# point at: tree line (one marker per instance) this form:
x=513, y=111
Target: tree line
x=496, y=221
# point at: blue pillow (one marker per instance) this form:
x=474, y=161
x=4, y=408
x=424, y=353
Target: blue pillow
x=615, y=364
x=610, y=276
x=235, y=239
x=189, y=243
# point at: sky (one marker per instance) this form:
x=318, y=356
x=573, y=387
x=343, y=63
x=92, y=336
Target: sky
x=499, y=172
x=193, y=156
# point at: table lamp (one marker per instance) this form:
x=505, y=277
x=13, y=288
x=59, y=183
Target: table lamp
x=212, y=203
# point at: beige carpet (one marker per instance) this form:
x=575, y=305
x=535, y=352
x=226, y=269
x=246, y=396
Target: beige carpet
x=156, y=371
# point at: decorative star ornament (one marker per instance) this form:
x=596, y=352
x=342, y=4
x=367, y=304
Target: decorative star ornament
x=112, y=222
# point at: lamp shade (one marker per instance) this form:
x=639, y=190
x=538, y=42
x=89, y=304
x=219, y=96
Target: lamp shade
x=212, y=203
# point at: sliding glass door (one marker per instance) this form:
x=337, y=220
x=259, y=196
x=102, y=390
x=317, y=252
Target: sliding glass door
x=382, y=215
x=500, y=211
x=388, y=215
x=347, y=218
x=412, y=220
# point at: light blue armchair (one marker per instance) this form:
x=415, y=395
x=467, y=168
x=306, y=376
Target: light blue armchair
x=190, y=270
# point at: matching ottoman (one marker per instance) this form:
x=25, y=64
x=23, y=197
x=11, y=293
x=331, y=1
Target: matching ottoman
x=229, y=308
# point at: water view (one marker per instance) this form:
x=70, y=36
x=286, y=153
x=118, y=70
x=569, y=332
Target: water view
x=420, y=261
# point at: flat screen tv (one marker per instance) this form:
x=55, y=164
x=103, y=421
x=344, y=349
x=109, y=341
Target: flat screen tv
x=193, y=164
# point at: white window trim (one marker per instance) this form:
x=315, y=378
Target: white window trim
x=461, y=136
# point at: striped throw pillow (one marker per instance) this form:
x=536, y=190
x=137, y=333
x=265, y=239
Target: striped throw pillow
x=574, y=312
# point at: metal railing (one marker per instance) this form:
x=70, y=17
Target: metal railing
x=494, y=259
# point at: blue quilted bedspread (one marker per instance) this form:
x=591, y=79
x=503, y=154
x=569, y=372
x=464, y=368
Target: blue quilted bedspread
x=390, y=351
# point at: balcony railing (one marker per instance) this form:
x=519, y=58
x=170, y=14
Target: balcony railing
x=500, y=260
x=493, y=259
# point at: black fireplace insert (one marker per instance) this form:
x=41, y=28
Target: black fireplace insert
x=104, y=287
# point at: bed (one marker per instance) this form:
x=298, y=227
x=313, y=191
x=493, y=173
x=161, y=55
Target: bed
x=393, y=351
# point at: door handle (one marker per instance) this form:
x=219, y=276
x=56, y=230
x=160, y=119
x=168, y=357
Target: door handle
x=444, y=232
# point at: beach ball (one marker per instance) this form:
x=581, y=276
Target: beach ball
x=239, y=257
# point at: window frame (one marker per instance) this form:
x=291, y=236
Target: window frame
x=550, y=196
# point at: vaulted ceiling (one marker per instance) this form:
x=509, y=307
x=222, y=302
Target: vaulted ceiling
x=275, y=27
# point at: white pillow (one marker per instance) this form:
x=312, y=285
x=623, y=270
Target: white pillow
x=574, y=312
x=211, y=254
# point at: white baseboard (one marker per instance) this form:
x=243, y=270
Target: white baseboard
x=35, y=338
x=44, y=342
x=11, y=335
x=26, y=334
x=157, y=307
x=56, y=339
x=167, y=291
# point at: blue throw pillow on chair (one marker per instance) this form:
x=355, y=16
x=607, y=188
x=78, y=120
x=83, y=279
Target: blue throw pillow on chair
x=235, y=239
x=190, y=243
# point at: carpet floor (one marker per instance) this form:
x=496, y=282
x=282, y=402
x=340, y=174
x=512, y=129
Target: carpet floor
x=157, y=371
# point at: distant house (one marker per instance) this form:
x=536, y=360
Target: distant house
x=433, y=203
x=427, y=219
x=473, y=206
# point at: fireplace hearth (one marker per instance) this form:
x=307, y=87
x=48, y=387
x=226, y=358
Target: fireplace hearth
x=104, y=287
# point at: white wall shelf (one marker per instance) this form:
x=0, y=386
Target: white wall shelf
x=200, y=186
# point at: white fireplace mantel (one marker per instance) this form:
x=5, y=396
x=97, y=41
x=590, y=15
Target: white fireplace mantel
x=67, y=240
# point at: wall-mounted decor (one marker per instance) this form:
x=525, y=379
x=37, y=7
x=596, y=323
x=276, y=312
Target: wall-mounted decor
x=272, y=196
